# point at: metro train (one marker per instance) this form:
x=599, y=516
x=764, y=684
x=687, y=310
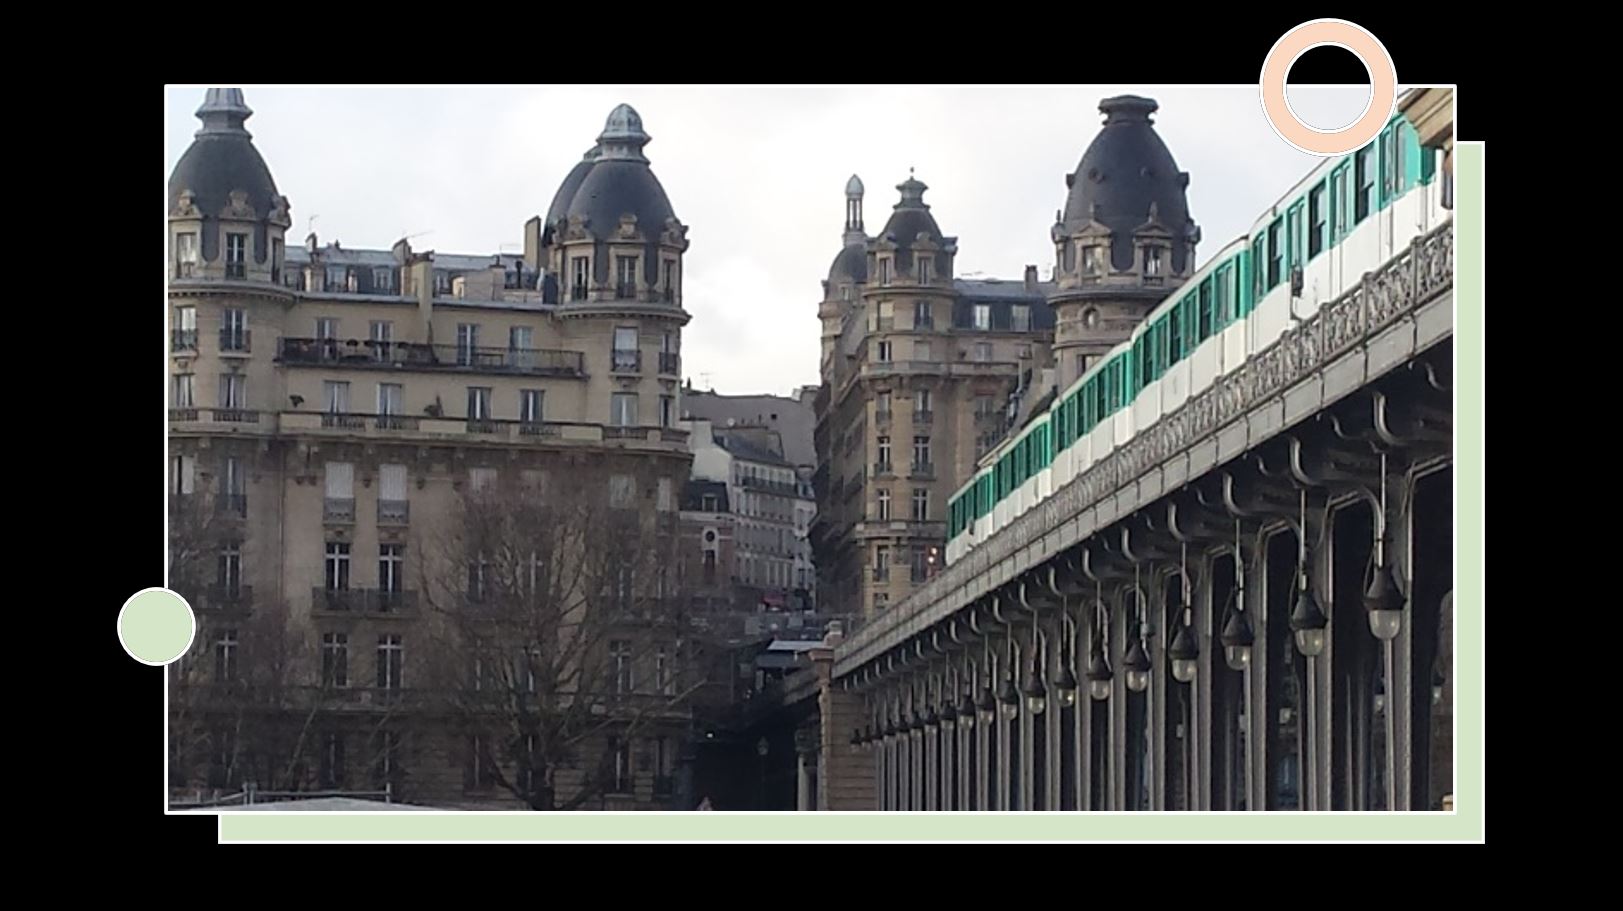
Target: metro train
x=1349, y=216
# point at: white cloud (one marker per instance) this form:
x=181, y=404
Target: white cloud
x=757, y=173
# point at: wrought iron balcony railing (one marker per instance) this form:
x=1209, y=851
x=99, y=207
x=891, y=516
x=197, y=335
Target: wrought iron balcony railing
x=368, y=353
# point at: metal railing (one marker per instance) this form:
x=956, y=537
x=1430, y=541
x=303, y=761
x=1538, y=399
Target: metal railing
x=394, y=512
x=626, y=361
x=382, y=354
x=669, y=362
x=343, y=420
x=881, y=574
x=881, y=468
x=922, y=469
x=338, y=509
x=362, y=600
x=923, y=417
x=347, y=600
x=221, y=596
x=236, y=340
x=183, y=340
x=395, y=422
x=235, y=416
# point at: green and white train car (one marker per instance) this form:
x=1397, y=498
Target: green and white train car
x=1349, y=216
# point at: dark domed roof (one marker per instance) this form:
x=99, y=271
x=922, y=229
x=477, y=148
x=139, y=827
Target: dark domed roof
x=613, y=188
x=222, y=158
x=1125, y=170
x=572, y=182
x=911, y=217
x=850, y=266
x=619, y=182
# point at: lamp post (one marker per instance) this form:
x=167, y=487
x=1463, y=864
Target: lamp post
x=1384, y=602
x=1307, y=623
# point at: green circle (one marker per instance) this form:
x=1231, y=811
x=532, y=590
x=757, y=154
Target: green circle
x=156, y=626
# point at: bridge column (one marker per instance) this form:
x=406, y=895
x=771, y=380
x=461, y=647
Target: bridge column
x=845, y=779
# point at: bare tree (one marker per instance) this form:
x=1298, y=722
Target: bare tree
x=558, y=628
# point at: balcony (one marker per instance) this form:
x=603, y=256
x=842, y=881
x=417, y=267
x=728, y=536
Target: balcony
x=240, y=341
x=537, y=429
x=380, y=601
x=881, y=469
x=183, y=340
x=627, y=362
x=235, y=416
x=881, y=574
x=926, y=322
x=394, y=422
x=481, y=425
x=670, y=363
x=236, y=271
x=338, y=509
x=193, y=414
x=923, y=417
x=394, y=512
x=627, y=433
x=882, y=416
x=343, y=421
x=226, y=597
x=234, y=504
x=884, y=323
x=385, y=355
x=342, y=600
x=922, y=469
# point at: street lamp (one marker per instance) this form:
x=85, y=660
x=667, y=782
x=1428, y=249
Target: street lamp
x=1384, y=602
x=1008, y=699
x=1034, y=691
x=1138, y=666
x=1307, y=621
x=1184, y=650
x=1237, y=639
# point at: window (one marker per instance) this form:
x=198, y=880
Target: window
x=882, y=404
x=337, y=566
x=236, y=255
x=620, y=658
x=442, y=281
x=184, y=332
x=1364, y=183
x=233, y=391
x=467, y=341
x=884, y=505
x=623, y=409
x=983, y=317
x=922, y=318
x=478, y=403
x=529, y=405
x=580, y=277
x=1225, y=310
x=1205, y=313
x=382, y=333
x=391, y=661
x=382, y=278
x=670, y=281
x=626, y=354
x=234, y=330
x=884, y=270
x=921, y=505
x=1316, y=215
x=1276, y=254
x=185, y=387
x=185, y=254
x=983, y=352
x=339, y=505
x=984, y=406
x=181, y=473
x=622, y=491
x=391, y=398
x=392, y=504
x=667, y=410
x=881, y=600
x=335, y=397
x=884, y=453
x=1152, y=261
x=331, y=774
x=477, y=569
x=921, y=453
x=921, y=401
x=922, y=264
x=884, y=353
x=391, y=568
x=520, y=345
x=334, y=659
x=1093, y=259
x=625, y=285
x=235, y=483
x=230, y=570
x=663, y=678
x=225, y=656
x=1021, y=315
x=881, y=561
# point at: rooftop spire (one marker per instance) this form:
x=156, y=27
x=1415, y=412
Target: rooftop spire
x=223, y=113
x=912, y=191
x=623, y=137
x=853, y=211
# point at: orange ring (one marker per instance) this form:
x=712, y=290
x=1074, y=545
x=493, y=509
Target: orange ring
x=1363, y=45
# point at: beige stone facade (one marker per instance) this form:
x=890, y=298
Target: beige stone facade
x=333, y=410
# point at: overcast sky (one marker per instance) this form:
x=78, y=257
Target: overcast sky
x=756, y=173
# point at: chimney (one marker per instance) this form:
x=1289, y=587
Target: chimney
x=421, y=268
x=1031, y=278
x=532, y=243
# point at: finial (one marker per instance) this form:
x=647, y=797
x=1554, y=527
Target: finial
x=223, y=113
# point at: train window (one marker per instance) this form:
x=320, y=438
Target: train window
x=1206, y=313
x=1175, y=324
x=1276, y=252
x=1338, y=204
x=1225, y=296
x=1363, y=183
x=1256, y=272
x=1315, y=221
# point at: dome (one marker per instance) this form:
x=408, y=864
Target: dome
x=1125, y=171
x=221, y=160
x=851, y=265
x=911, y=217
x=613, y=188
x=572, y=182
x=853, y=187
